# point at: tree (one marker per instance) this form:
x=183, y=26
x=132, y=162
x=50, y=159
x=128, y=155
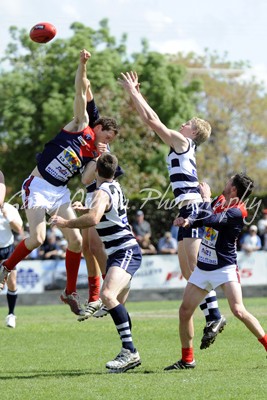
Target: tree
x=37, y=91
x=236, y=109
x=37, y=94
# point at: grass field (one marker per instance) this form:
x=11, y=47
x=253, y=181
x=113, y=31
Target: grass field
x=51, y=356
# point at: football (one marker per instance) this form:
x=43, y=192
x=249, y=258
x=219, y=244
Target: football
x=43, y=32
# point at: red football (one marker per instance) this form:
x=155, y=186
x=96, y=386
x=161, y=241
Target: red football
x=43, y=32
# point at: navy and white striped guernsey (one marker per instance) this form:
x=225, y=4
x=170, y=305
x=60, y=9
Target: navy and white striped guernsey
x=183, y=174
x=113, y=228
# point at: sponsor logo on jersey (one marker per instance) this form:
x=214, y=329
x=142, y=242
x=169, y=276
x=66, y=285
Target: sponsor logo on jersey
x=69, y=158
x=210, y=236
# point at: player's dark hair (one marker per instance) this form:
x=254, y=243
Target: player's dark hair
x=108, y=124
x=106, y=165
x=244, y=185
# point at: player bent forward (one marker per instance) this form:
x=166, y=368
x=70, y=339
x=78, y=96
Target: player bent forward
x=223, y=221
x=108, y=214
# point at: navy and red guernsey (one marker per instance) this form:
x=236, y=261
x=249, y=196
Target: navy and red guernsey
x=66, y=155
x=223, y=224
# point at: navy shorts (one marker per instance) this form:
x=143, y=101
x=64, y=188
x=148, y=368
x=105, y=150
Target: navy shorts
x=194, y=233
x=6, y=252
x=128, y=259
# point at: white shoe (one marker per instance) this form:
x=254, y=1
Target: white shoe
x=101, y=312
x=90, y=309
x=125, y=360
x=11, y=321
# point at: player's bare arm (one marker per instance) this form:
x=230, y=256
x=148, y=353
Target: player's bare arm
x=174, y=139
x=100, y=204
x=80, y=119
x=205, y=191
x=89, y=93
x=88, y=175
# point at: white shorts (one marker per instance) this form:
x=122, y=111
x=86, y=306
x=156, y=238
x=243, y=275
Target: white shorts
x=38, y=193
x=209, y=280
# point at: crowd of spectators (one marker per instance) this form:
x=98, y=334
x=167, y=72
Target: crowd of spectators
x=53, y=248
x=254, y=238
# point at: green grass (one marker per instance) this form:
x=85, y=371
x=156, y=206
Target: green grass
x=51, y=356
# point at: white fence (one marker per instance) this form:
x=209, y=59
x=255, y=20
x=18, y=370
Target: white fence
x=156, y=272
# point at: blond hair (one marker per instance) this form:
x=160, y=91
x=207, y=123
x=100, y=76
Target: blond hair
x=203, y=129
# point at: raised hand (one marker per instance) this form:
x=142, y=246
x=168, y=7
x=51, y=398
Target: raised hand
x=129, y=81
x=84, y=56
x=205, y=190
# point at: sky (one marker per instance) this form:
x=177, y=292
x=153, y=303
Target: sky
x=236, y=27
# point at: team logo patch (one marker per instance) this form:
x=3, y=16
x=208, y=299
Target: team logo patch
x=69, y=158
x=210, y=236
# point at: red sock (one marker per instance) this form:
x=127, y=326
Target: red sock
x=188, y=354
x=18, y=254
x=263, y=341
x=103, y=276
x=94, y=288
x=72, y=269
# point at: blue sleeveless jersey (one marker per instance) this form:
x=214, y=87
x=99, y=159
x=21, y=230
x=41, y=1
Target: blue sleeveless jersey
x=223, y=225
x=66, y=155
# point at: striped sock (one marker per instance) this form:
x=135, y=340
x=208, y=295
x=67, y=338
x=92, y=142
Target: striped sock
x=210, y=308
x=121, y=320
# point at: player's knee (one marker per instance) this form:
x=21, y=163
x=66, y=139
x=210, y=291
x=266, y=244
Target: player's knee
x=12, y=286
x=106, y=296
x=184, y=312
x=238, y=312
x=12, y=281
x=34, y=242
x=75, y=243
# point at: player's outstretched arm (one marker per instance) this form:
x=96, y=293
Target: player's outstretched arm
x=129, y=81
x=100, y=203
x=81, y=87
x=80, y=119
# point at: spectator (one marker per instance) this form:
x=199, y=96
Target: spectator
x=142, y=232
x=50, y=250
x=264, y=243
x=251, y=241
x=34, y=255
x=63, y=245
x=167, y=244
x=262, y=225
x=147, y=247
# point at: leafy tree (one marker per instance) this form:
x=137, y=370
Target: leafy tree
x=37, y=99
x=37, y=90
x=236, y=109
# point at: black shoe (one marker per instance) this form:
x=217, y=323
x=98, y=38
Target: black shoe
x=180, y=365
x=210, y=332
